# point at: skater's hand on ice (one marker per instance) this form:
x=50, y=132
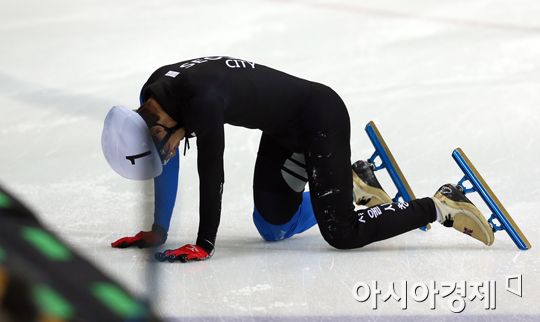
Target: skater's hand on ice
x=184, y=254
x=143, y=239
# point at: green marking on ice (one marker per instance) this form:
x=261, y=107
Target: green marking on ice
x=117, y=300
x=46, y=244
x=5, y=202
x=49, y=301
x=2, y=254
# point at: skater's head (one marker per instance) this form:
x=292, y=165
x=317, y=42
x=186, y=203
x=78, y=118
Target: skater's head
x=128, y=146
x=137, y=145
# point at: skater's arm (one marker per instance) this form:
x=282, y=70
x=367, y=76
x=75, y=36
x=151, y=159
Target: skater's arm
x=206, y=116
x=165, y=189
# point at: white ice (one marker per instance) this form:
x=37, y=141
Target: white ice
x=433, y=75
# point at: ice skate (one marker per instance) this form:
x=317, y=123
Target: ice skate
x=367, y=190
x=459, y=212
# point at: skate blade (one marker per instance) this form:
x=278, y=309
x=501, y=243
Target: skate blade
x=389, y=162
x=491, y=200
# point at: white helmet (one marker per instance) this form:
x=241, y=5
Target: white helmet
x=128, y=145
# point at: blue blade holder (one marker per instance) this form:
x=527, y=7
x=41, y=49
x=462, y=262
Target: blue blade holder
x=499, y=213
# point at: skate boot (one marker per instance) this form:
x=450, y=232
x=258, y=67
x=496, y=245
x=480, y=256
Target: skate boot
x=458, y=211
x=367, y=190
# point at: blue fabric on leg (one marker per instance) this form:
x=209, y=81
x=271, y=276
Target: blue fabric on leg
x=302, y=220
x=165, y=189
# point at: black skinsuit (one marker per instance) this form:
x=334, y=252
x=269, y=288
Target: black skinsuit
x=295, y=115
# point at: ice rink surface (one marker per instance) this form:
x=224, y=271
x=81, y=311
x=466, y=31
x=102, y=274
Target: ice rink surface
x=433, y=75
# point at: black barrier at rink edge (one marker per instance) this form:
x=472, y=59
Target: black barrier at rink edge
x=41, y=278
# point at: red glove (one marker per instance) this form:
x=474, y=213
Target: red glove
x=142, y=239
x=184, y=254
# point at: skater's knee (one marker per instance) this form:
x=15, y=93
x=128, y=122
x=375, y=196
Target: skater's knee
x=338, y=244
x=343, y=241
x=267, y=231
x=301, y=221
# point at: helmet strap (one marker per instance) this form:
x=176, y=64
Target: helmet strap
x=170, y=131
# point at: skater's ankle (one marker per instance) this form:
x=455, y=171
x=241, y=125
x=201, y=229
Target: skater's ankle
x=439, y=215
